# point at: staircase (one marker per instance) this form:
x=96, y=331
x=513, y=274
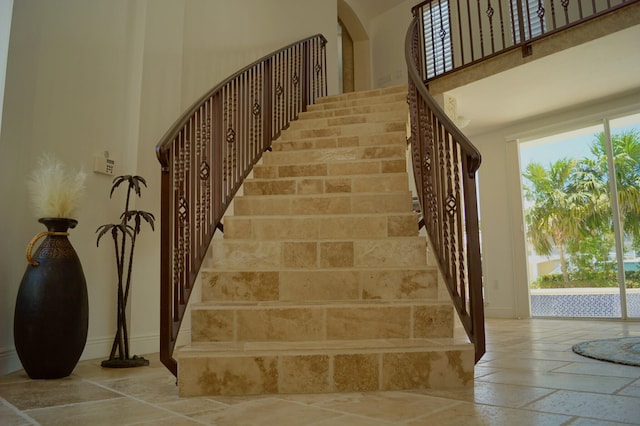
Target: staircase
x=321, y=283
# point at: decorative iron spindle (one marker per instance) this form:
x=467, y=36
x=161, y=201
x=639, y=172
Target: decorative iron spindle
x=489, y=12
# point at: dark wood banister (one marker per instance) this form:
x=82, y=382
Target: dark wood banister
x=206, y=155
x=444, y=165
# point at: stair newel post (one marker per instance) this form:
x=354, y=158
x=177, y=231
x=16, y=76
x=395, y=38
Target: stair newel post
x=166, y=250
x=469, y=168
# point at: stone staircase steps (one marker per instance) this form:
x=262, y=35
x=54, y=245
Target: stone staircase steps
x=247, y=368
x=321, y=282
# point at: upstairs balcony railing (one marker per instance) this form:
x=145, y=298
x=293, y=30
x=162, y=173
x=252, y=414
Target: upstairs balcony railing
x=206, y=155
x=460, y=33
x=444, y=166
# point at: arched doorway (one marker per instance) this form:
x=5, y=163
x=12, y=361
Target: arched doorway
x=355, y=56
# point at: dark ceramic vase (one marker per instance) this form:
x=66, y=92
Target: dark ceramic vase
x=52, y=308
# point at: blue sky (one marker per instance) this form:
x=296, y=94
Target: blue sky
x=571, y=145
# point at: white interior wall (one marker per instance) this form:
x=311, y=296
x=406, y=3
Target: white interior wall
x=85, y=77
x=387, y=32
x=6, y=9
x=210, y=33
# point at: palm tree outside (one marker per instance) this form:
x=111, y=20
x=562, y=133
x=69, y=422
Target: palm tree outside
x=570, y=209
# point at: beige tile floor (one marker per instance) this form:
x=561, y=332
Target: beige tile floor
x=529, y=376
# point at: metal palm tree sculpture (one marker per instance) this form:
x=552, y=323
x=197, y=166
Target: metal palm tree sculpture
x=124, y=240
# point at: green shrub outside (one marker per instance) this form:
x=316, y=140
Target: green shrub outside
x=587, y=280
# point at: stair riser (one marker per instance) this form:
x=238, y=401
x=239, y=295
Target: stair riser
x=326, y=185
x=319, y=227
x=320, y=285
x=399, y=252
x=350, y=130
x=348, y=168
x=391, y=138
x=310, y=122
x=334, y=155
x=355, y=100
x=398, y=107
x=330, y=372
x=320, y=323
x=394, y=202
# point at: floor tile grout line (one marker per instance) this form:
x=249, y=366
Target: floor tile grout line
x=178, y=414
x=20, y=413
x=70, y=404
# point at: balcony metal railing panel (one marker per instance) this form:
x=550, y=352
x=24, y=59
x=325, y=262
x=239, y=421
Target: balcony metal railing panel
x=206, y=155
x=444, y=166
x=460, y=33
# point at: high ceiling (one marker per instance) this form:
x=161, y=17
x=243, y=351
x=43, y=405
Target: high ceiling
x=605, y=67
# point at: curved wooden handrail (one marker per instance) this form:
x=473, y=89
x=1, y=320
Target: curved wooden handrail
x=444, y=165
x=208, y=152
x=165, y=141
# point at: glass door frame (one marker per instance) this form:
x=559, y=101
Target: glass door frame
x=522, y=296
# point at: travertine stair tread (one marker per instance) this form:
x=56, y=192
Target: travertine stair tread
x=331, y=203
x=363, y=216
x=330, y=195
x=310, y=122
x=375, y=139
x=360, y=129
x=343, y=154
x=324, y=304
x=250, y=349
x=395, y=107
x=415, y=268
x=358, y=99
x=333, y=177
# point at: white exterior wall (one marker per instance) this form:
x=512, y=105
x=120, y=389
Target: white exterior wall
x=84, y=77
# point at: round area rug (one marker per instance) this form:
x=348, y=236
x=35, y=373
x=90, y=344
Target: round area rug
x=625, y=350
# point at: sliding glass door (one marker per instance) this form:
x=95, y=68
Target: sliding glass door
x=625, y=160
x=581, y=192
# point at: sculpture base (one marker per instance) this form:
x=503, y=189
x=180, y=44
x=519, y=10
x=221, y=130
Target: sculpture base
x=136, y=361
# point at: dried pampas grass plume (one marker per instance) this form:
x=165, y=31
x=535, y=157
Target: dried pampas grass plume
x=54, y=191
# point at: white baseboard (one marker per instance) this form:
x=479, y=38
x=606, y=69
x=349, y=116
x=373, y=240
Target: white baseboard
x=95, y=348
x=9, y=361
x=497, y=312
